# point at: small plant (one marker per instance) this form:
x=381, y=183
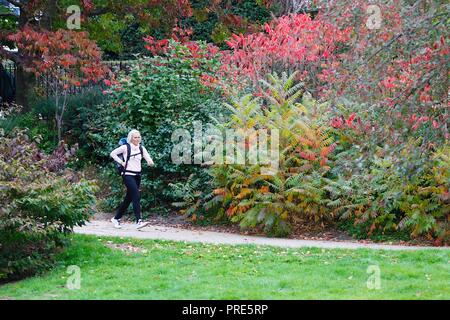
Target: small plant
x=191, y=193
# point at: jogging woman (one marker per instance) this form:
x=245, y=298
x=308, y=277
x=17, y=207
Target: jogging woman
x=131, y=176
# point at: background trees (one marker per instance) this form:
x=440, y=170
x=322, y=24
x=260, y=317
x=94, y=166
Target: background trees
x=66, y=57
x=118, y=26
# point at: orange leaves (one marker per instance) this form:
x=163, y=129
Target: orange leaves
x=208, y=81
x=220, y=191
x=243, y=208
x=314, y=147
x=67, y=60
x=306, y=142
x=372, y=229
x=324, y=152
x=244, y=193
x=231, y=211
x=238, y=209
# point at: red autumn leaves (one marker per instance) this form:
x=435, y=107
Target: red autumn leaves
x=289, y=42
x=341, y=122
x=67, y=56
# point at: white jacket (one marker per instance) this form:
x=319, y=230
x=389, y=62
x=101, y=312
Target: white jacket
x=134, y=164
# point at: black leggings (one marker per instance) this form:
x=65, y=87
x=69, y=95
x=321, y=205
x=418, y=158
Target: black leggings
x=132, y=183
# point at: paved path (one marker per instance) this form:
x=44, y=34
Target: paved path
x=105, y=228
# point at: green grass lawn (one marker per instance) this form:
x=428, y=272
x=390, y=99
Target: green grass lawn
x=176, y=270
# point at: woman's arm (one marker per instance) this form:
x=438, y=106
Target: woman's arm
x=147, y=157
x=114, y=154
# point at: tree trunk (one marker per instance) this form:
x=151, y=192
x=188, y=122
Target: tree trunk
x=59, y=128
x=24, y=84
x=24, y=80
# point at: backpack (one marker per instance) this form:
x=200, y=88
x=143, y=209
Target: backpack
x=121, y=169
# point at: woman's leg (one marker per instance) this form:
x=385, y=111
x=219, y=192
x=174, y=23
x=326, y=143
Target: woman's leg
x=136, y=197
x=126, y=202
x=133, y=195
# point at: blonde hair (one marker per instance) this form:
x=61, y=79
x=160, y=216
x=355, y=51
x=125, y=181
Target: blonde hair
x=130, y=135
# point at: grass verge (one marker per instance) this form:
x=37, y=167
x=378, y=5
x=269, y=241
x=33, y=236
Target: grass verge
x=121, y=268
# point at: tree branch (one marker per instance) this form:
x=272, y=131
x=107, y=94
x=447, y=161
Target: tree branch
x=416, y=88
x=99, y=11
x=387, y=45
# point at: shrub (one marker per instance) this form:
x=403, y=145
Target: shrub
x=190, y=195
x=286, y=44
x=39, y=129
x=299, y=188
x=41, y=202
x=402, y=188
x=40, y=122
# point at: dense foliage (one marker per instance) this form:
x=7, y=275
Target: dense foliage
x=159, y=95
x=326, y=173
x=387, y=104
x=395, y=187
x=41, y=202
x=216, y=21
